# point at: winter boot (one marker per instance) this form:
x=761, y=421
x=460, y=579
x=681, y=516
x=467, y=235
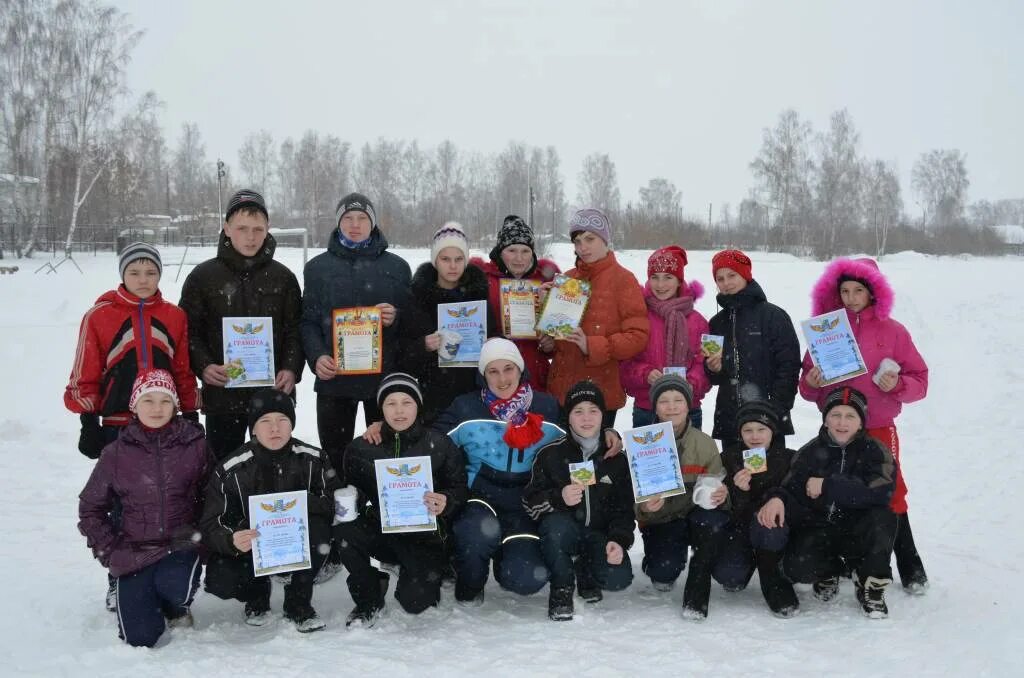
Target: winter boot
x=586, y=585
x=326, y=573
x=826, y=590
x=257, y=613
x=908, y=561
x=560, y=605
x=306, y=620
x=182, y=621
x=362, y=616
x=777, y=590
x=871, y=595
x=663, y=586
x=111, y=599
x=468, y=597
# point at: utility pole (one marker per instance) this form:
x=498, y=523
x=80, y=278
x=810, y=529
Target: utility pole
x=220, y=177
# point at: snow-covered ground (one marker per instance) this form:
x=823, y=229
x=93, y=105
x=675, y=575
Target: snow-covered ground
x=961, y=456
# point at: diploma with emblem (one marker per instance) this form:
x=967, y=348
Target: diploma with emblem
x=401, y=484
x=463, y=330
x=832, y=347
x=653, y=462
x=358, y=340
x=520, y=301
x=248, y=351
x=564, y=306
x=282, y=520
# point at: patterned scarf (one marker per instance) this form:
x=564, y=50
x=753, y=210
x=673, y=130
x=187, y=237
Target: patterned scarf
x=524, y=427
x=352, y=244
x=677, y=337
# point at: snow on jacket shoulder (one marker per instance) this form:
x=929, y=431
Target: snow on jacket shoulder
x=120, y=336
x=158, y=479
x=698, y=456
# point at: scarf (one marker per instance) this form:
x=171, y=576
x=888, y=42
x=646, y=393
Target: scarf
x=588, y=445
x=352, y=244
x=524, y=427
x=677, y=337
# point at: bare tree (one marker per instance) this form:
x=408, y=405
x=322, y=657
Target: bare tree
x=882, y=201
x=191, y=172
x=838, y=185
x=784, y=166
x=660, y=198
x=597, y=184
x=256, y=160
x=939, y=178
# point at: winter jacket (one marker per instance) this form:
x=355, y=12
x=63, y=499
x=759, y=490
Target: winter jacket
x=537, y=362
x=253, y=469
x=616, y=326
x=440, y=385
x=879, y=337
x=860, y=475
x=120, y=336
x=447, y=465
x=607, y=505
x=496, y=473
x=157, y=476
x=698, y=456
x=760, y=360
x=747, y=503
x=230, y=285
x=344, y=278
x=633, y=372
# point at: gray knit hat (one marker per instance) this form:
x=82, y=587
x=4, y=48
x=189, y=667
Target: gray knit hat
x=399, y=382
x=136, y=251
x=671, y=382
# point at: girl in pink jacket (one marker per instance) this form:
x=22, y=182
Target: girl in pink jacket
x=674, y=338
x=858, y=286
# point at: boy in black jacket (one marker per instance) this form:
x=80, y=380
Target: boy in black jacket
x=750, y=482
x=586, y=516
x=272, y=461
x=835, y=501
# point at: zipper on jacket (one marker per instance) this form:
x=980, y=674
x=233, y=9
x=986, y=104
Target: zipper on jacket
x=735, y=379
x=161, y=482
x=508, y=466
x=842, y=465
x=586, y=494
x=142, y=335
x=398, y=445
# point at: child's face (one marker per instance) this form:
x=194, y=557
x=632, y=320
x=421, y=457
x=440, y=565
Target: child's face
x=729, y=281
x=756, y=434
x=247, y=232
x=590, y=247
x=355, y=225
x=517, y=259
x=664, y=285
x=672, y=406
x=843, y=423
x=399, y=411
x=154, y=409
x=273, y=430
x=142, y=278
x=585, y=420
x=855, y=296
x=502, y=377
x=450, y=265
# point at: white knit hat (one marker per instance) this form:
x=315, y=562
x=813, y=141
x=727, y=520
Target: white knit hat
x=500, y=349
x=450, y=235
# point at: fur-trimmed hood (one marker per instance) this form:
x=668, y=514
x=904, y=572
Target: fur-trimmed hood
x=825, y=295
x=693, y=289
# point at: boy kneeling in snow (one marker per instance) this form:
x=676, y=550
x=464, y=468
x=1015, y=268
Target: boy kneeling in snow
x=155, y=470
x=272, y=461
x=835, y=501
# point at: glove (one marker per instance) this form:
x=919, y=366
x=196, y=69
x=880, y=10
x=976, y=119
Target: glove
x=91, y=439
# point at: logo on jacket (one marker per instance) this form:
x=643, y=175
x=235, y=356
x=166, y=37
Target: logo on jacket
x=404, y=470
x=279, y=506
x=825, y=325
x=647, y=438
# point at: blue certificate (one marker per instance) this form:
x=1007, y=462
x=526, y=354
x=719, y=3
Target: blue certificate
x=653, y=462
x=401, y=484
x=832, y=346
x=282, y=520
x=463, y=330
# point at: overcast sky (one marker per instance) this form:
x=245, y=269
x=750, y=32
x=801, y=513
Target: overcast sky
x=675, y=89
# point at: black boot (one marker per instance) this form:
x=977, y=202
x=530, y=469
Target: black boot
x=908, y=561
x=777, y=590
x=560, y=606
x=586, y=586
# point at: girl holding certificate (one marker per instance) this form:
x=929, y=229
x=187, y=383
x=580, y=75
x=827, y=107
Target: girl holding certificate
x=614, y=326
x=676, y=329
x=155, y=470
x=897, y=375
x=421, y=556
x=670, y=526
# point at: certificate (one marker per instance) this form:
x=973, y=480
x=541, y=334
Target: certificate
x=401, y=484
x=712, y=343
x=653, y=462
x=755, y=460
x=564, y=306
x=282, y=520
x=582, y=473
x=358, y=340
x=670, y=369
x=520, y=301
x=463, y=330
x=832, y=347
x=248, y=351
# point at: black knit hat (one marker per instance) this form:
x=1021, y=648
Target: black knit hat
x=246, y=198
x=583, y=392
x=513, y=231
x=671, y=382
x=844, y=395
x=760, y=411
x=355, y=202
x=400, y=382
x=268, y=400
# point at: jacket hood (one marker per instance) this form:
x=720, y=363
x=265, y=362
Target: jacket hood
x=825, y=295
x=378, y=245
x=543, y=269
x=234, y=259
x=693, y=289
x=473, y=283
x=749, y=295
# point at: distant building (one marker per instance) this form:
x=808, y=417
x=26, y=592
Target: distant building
x=1013, y=237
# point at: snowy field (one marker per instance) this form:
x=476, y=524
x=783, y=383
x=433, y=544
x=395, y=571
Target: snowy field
x=961, y=454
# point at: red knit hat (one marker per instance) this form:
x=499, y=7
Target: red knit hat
x=736, y=260
x=149, y=381
x=671, y=259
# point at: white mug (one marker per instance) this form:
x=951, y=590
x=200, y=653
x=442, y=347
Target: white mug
x=702, y=491
x=345, y=505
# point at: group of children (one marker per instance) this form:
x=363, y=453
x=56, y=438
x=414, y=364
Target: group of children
x=166, y=497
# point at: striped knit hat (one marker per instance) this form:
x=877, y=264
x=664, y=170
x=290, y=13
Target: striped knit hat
x=399, y=382
x=355, y=202
x=246, y=198
x=149, y=381
x=844, y=395
x=136, y=251
x=450, y=235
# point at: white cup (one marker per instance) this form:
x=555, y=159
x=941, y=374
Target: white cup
x=702, y=491
x=450, y=341
x=345, y=504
